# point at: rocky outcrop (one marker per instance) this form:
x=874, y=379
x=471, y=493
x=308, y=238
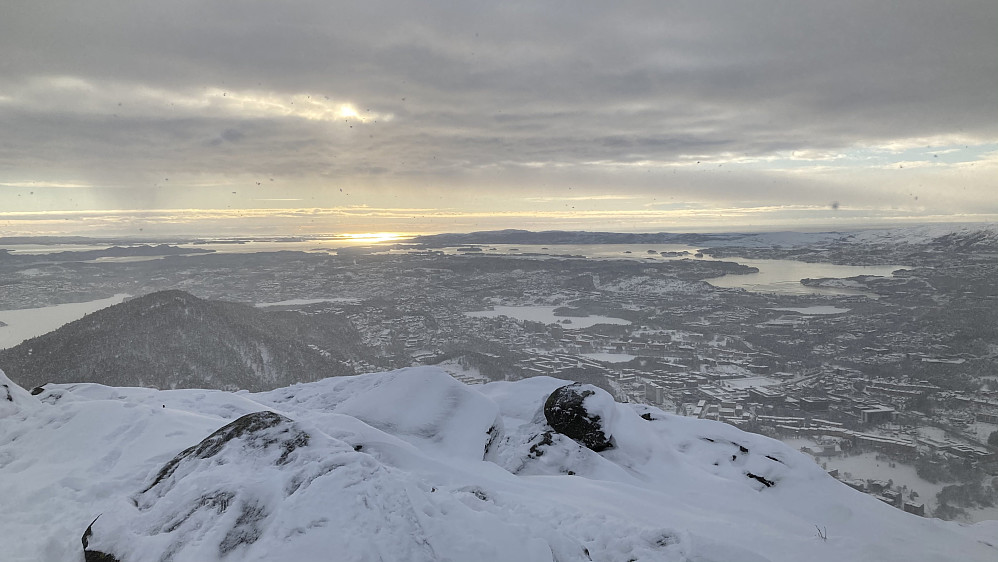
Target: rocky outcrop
x=570, y=411
x=259, y=430
x=264, y=488
x=250, y=444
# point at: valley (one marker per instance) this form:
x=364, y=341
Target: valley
x=899, y=365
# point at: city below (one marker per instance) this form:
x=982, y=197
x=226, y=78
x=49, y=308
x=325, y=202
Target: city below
x=878, y=358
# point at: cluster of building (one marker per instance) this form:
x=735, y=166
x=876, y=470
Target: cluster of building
x=883, y=492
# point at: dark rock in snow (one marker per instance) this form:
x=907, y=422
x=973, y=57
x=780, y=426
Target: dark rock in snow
x=94, y=555
x=566, y=412
x=537, y=449
x=235, y=514
x=765, y=481
x=251, y=428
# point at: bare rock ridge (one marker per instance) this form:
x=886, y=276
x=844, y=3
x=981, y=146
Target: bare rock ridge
x=172, y=339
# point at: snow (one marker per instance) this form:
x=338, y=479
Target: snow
x=648, y=286
x=451, y=419
x=609, y=357
x=28, y=323
x=750, y=382
x=413, y=465
x=546, y=315
x=815, y=310
x=465, y=374
x=982, y=430
x=894, y=235
x=867, y=466
x=302, y=302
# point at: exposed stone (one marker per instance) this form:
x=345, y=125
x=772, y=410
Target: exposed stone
x=566, y=413
x=250, y=427
x=536, y=449
x=94, y=555
x=765, y=481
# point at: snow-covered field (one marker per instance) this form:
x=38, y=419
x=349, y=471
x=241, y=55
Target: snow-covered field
x=610, y=357
x=750, y=382
x=546, y=315
x=32, y=322
x=414, y=465
x=651, y=286
x=303, y=302
x=823, y=309
x=982, y=430
x=867, y=466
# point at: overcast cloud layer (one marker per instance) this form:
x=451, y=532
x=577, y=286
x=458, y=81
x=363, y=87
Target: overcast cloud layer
x=416, y=116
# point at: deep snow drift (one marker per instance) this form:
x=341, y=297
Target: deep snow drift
x=413, y=465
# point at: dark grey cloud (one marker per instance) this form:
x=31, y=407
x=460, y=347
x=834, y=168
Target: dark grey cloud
x=522, y=96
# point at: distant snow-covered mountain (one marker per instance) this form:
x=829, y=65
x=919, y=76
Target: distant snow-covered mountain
x=921, y=234
x=413, y=465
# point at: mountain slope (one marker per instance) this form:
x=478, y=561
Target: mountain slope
x=171, y=339
x=412, y=465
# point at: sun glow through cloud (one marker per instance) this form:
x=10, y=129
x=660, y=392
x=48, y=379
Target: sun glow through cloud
x=396, y=120
x=375, y=237
x=76, y=94
x=352, y=223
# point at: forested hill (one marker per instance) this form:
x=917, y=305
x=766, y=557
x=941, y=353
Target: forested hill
x=171, y=339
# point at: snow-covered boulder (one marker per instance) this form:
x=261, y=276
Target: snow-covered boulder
x=188, y=501
x=581, y=412
x=430, y=408
x=647, y=447
x=423, y=406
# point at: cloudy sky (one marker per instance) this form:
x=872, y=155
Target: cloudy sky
x=225, y=117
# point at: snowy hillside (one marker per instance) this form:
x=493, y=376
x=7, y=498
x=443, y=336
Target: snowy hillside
x=172, y=339
x=413, y=465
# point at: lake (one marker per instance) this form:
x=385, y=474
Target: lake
x=28, y=323
x=784, y=276
x=775, y=276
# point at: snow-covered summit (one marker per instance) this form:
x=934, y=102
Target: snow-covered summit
x=14, y=400
x=413, y=465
